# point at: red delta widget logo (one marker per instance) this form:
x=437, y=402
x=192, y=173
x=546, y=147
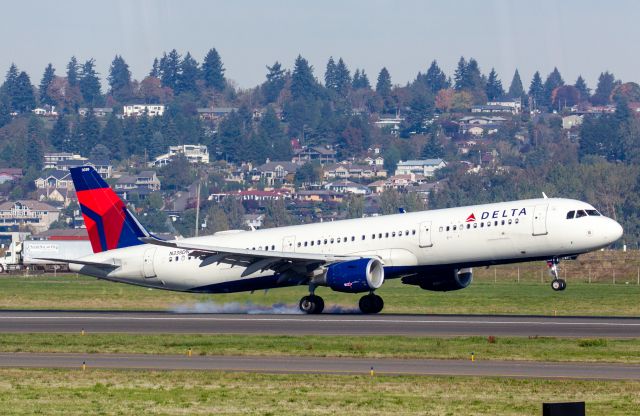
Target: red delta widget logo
x=505, y=213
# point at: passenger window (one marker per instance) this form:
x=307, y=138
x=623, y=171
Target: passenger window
x=379, y=235
x=399, y=233
x=502, y=222
x=305, y=243
x=331, y=241
x=413, y=232
x=448, y=228
x=386, y=235
x=319, y=242
x=517, y=220
x=570, y=214
x=393, y=234
x=495, y=223
x=509, y=222
x=299, y=244
x=455, y=227
x=373, y=236
x=580, y=214
x=170, y=259
x=311, y=242
x=273, y=247
x=325, y=241
x=475, y=225
x=488, y=223
x=468, y=226
x=482, y=224
x=440, y=229
x=177, y=258
x=363, y=238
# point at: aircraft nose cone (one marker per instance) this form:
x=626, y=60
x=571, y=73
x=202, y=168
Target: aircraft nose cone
x=615, y=231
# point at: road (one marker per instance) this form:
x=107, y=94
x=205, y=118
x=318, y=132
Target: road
x=322, y=365
x=325, y=324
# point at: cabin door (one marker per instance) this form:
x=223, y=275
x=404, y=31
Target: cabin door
x=425, y=234
x=540, y=219
x=147, y=264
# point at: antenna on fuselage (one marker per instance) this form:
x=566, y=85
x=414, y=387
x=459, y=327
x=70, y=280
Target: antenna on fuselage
x=545, y=196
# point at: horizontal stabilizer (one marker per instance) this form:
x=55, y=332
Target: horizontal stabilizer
x=82, y=262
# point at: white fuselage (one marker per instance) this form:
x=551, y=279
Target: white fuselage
x=458, y=237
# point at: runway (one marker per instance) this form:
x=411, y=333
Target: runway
x=325, y=324
x=322, y=365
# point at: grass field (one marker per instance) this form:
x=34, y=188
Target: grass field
x=482, y=297
x=73, y=392
x=507, y=348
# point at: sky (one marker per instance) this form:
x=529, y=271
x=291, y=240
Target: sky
x=580, y=37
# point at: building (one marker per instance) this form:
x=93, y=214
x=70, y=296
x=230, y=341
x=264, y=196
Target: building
x=136, y=110
x=65, y=161
x=508, y=106
x=571, y=121
x=146, y=179
x=253, y=220
x=277, y=172
x=354, y=171
x=10, y=174
x=391, y=123
x=35, y=214
x=100, y=112
x=257, y=195
x=316, y=153
x=215, y=113
x=54, y=179
x=426, y=167
x=195, y=153
x=347, y=187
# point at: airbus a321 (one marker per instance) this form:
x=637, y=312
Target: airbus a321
x=434, y=250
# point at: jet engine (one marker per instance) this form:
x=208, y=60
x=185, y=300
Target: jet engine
x=355, y=276
x=442, y=280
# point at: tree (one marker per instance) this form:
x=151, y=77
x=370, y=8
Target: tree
x=90, y=84
x=343, y=79
x=120, y=80
x=383, y=85
x=581, y=86
x=47, y=79
x=9, y=85
x=303, y=83
x=390, y=202
x=231, y=137
x=23, y=99
x=170, y=69
x=271, y=133
x=155, y=69
x=274, y=83
x=433, y=149
x=460, y=75
x=565, y=96
x=435, y=78
x=606, y=84
x=29, y=149
x=494, y=89
x=360, y=80
x=553, y=81
x=516, y=90
x=5, y=109
x=353, y=205
x=59, y=136
x=629, y=91
x=178, y=174
x=330, y=75
x=72, y=72
x=309, y=173
x=89, y=133
x=444, y=99
x=113, y=135
x=189, y=74
x=536, y=90
x=213, y=71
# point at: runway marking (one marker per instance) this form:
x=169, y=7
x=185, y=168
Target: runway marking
x=309, y=320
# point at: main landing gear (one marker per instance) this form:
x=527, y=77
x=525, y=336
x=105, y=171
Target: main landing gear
x=314, y=304
x=557, y=284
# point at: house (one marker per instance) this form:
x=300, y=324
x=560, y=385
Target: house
x=277, y=171
x=425, y=167
x=316, y=153
x=508, y=106
x=253, y=220
x=46, y=111
x=195, y=153
x=52, y=194
x=65, y=161
x=54, y=179
x=10, y=174
x=347, y=187
x=319, y=195
x=257, y=195
x=136, y=110
x=145, y=179
x=51, y=160
x=215, y=113
x=347, y=170
x=99, y=112
x=391, y=123
x=571, y=121
x=35, y=214
x=377, y=161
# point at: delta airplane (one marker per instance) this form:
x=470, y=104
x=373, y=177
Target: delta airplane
x=434, y=250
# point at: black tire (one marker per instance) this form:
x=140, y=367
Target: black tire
x=1, y=268
x=378, y=303
x=563, y=284
x=319, y=302
x=311, y=304
x=371, y=304
x=556, y=284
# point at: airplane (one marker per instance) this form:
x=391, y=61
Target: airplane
x=434, y=250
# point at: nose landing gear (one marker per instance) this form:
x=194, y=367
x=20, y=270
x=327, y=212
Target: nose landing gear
x=557, y=284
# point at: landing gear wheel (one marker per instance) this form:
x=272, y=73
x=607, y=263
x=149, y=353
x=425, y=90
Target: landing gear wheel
x=312, y=304
x=558, y=284
x=371, y=304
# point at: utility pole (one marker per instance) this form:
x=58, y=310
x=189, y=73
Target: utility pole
x=198, y=207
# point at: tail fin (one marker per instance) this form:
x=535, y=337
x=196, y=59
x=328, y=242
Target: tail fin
x=109, y=223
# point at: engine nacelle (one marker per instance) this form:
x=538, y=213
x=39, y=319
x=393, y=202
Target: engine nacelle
x=442, y=280
x=355, y=276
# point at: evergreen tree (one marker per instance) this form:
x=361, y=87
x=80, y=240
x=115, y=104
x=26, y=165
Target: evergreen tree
x=460, y=75
x=47, y=79
x=274, y=83
x=10, y=83
x=553, y=81
x=72, y=72
x=433, y=149
x=343, y=79
x=581, y=86
x=606, y=84
x=360, y=80
x=5, y=109
x=90, y=84
x=188, y=76
x=330, y=75
x=435, y=78
x=230, y=137
x=155, y=69
x=89, y=133
x=271, y=133
x=383, y=85
x=34, y=146
x=516, y=90
x=113, y=135
x=536, y=90
x=303, y=83
x=120, y=80
x=213, y=71
x=170, y=69
x=59, y=136
x=23, y=99
x=494, y=89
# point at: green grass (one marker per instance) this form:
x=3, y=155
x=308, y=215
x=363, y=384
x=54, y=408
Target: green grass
x=483, y=297
x=132, y=392
x=502, y=348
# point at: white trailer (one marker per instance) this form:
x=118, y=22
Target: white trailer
x=28, y=255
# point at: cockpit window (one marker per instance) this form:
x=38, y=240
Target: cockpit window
x=593, y=213
x=580, y=214
x=570, y=214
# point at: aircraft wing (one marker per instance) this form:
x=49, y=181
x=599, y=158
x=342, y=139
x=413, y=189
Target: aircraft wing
x=253, y=260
